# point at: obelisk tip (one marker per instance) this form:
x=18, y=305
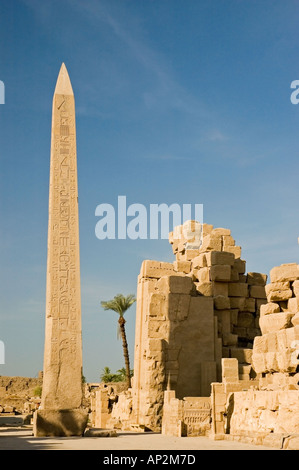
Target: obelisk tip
x=63, y=85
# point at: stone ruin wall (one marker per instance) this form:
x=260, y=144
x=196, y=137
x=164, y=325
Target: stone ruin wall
x=191, y=314
x=216, y=349
x=274, y=406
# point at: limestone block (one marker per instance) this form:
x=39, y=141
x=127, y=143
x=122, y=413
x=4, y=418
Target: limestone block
x=272, y=361
x=235, y=277
x=283, y=304
x=249, y=305
x=221, y=302
x=224, y=318
x=240, y=265
x=178, y=306
x=220, y=288
x=285, y=272
x=155, y=345
x=203, y=275
x=234, y=313
x=258, y=292
x=278, y=291
x=205, y=288
x=237, y=303
x=59, y=422
x=227, y=240
x=259, y=303
x=275, y=322
x=271, y=307
x=175, y=246
x=191, y=254
x=260, y=344
x=295, y=320
x=206, y=229
x=285, y=362
x=292, y=335
x=230, y=370
x=211, y=242
x=245, y=319
x=241, y=331
x=219, y=257
x=182, y=266
x=221, y=231
x=256, y=279
x=244, y=355
x=220, y=273
x=293, y=305
x=242, y=278
x=236, y=250
x=199, y=261
x=229, y=339
x=156, y=269
x=236, y=289
x=157, y=305
x=295, y=287
x=175, y=284
x=259, y=362
x=252, y=332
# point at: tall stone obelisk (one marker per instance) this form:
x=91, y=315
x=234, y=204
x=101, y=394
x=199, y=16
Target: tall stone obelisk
x=61, y=412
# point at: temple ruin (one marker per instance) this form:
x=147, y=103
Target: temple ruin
x=216, y=348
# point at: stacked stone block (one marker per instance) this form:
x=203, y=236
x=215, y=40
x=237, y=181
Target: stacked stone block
x=275, y=353
x=218, y=271
x=176, y=341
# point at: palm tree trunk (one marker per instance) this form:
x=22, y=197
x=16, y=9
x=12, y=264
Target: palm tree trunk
x=122, y=322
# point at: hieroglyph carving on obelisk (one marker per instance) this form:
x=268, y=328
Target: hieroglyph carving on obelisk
x=62, y=378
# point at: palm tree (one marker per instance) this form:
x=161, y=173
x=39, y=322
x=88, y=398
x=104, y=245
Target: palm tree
x=107, y=376
x=120, y=305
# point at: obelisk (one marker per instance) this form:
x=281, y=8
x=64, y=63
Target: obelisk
x=61, y=412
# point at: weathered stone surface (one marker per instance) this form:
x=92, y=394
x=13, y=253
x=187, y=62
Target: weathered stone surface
x=285, y=272
x=269, y=308
x=211, y=242
x=295, y=320
x=295, y=286
x=182, y=266
x=256, y=279
x=265, y=411
x=175, y=284
x=238, y=303
x=59, y=422
x=96, y=432
x=276, y=321
x=250, y=305
x=245, y=319
x=219, y=258
x=199, y=261
x=258, y=292
x=156, y=269
x=221, y=302
x=235, y=250
x=278, y=291
x=293, y=304
x=205, y=288
x=244, y=355
x=236, y=289
x=203, y=275
x=227, y=241
x=240, y=265
x=220, y=273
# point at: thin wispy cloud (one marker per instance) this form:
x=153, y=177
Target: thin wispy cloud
x=165, y=89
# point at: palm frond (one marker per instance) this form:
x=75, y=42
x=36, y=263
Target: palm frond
x=119, y=303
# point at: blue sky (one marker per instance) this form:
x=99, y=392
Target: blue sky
x=177, y=101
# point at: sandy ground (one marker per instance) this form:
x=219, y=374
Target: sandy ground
x=22, y=439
